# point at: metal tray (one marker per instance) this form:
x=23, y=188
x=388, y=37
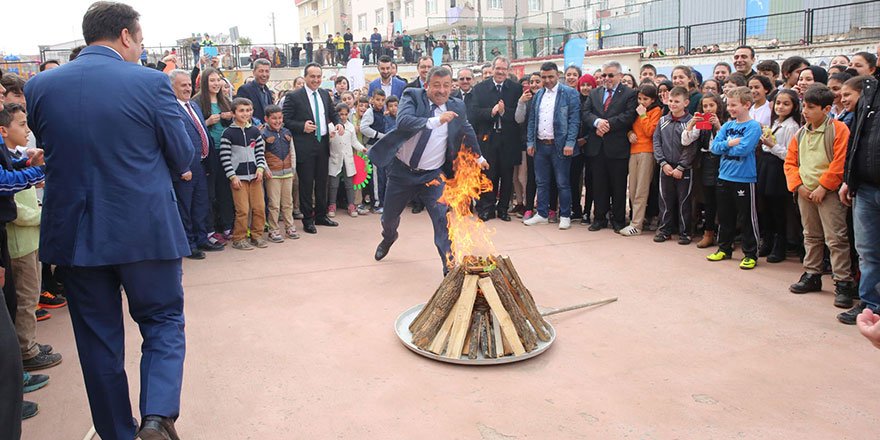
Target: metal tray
x=401, y=327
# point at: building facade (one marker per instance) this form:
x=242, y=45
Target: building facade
x=323, y=17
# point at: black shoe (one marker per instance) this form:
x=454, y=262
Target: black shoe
x=418, y=208
x=41, y=361
x=585, y=220
x=196, y=255
x=211, y=247
x=45, y=348
x=845, y=294
x=809, y=282
x=684, y=239
x=598, y=225
x=486, y=216
x=323, y=220
x=503, y=216
x=849, y=317
x=29, y=409
x=382, y=250
x=309, y=228
x=766, y=247
x=617, y=227
x=661, y=237
x=157, y=428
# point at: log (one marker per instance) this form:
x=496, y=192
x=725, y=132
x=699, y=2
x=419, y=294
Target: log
x=451, y=280
x=463, y=311
x=439, y=343
x=434, y=319
x=523, y=329
x=474, y=335
x=508, y=327
x=497, y=338
x=484, y=335
x=523, y=298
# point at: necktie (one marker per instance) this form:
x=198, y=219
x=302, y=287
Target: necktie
x=265, y=97
x=608, y=100
x=498, y=116
x=200, y=129
x=317, y=116
x=423, y=142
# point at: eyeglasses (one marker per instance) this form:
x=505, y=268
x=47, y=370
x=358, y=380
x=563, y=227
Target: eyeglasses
x=465, y=78
x=607, y=75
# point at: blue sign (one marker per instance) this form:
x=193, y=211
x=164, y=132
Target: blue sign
x=757, y=8
x=438, y=56
x=575, y=50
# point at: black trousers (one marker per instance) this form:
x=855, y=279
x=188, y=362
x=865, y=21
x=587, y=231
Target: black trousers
x=675, y=203
x=500, y=172
x=710, y=205
x=11, y=299
x=609, y=187
x=736, y=204
x=10, y=378
x=312, y=173
x=221, y=208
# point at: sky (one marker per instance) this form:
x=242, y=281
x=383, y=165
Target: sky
x=27, y=24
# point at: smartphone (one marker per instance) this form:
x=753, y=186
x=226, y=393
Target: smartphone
x=526, y=88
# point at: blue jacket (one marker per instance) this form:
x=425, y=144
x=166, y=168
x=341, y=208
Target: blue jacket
x=252, y=91
x=412, y=115
x=738, y=163
x=566, y=119
x=192, y=131
x=113, y=135
x=397, y=86
x=376, y=40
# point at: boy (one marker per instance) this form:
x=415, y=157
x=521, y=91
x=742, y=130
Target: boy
x=373, y=128
x=647, y=73
x=736, y=143
x=242, y=154
x=391, y=113
x=814, y=172
x=281, y=160
x=676, y=170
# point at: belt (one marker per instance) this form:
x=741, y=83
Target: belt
x=411, y=169
x=546, y=141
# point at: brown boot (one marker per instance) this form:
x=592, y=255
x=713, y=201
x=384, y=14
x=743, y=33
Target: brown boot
x=708, y=240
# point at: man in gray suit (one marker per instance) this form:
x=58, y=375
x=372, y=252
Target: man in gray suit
x=431, y=127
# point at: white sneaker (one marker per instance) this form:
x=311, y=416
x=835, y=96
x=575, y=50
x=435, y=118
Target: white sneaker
x=564, y=222
x=630, y=231
x=536, y=220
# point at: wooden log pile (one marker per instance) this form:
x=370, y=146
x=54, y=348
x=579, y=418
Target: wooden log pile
x=482, y=308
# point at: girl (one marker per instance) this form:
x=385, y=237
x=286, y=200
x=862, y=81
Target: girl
x=791, y=70
x=711, y=86
x=572, y=75
x=835, y=83
x=628, y=80
x=580, y=176
x=840, y=60
x=663, y=93
x=809, y=76
x=760, y=111
x=341, y=165
x=641, y=160
x=849, y=97
x=683, y=76
x=347, y=98
x=773, y=194
x=708, y=163
x=865, y=63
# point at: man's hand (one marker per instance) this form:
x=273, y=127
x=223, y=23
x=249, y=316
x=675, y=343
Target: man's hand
x=845, y=196
x=447, y=116
x=530, y=151
x=734, y=142
x=603, y=128
x=818, y=194
x=667, y=169
x=187, y=176
x=340, y=129
x=35, y=155
x=581, y=142
x=869, y=326
x=677, y=174
x=498, y=109
x=235, y=183
x=804, y=192
x=310, y=127
x=567, y=150
x=484, y=165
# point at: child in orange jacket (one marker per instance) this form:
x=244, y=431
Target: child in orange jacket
x=641, y=159
x=814, y=172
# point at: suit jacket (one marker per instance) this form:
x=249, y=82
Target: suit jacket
x=110, y=200
x=468, y=102
x=485, y=97
x=412, y=115
x=252, y=91
x=195, y=140
x=297, y=110
x=416, y=84
x=397, y=86
x=566, y=119
x=620, y=115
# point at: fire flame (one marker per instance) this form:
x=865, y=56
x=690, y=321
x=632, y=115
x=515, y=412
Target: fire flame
x=468, y=234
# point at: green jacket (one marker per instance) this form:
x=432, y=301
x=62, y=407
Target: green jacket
x=24, y=231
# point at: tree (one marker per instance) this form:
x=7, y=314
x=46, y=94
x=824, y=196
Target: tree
x=244, y=42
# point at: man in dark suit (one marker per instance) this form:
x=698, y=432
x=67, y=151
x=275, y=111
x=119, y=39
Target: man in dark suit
x=309, y=114
x=493, y=119
x=425, y=64
x=257, y=90
x=110, y=221
x=608, y=114
x=192, y=187
x=431, y=128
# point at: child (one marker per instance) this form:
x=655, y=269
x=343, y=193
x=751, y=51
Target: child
x=242, y=153
x=391, y=113
x=641, y=159
x=281, y=161
x=23, y=229
x=736, y=143
x=849, y=97
x=362, y=195
x=760, y=110
x=676, y=162
x=772, y=188
x=814, y=170
x=342, y=162
x=708, y=162
x=835, y=83
x=373, y=129
x=347, y=98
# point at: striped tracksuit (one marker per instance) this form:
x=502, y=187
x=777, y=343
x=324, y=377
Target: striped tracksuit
x=675, y=194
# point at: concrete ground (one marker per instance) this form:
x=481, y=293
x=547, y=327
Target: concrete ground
x=296, y=342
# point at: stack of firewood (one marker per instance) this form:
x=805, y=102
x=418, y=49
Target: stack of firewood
x=480, y=308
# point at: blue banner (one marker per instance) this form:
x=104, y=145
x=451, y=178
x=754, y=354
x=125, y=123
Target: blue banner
x=757, y=8
x=438, y=56
x=575, y=50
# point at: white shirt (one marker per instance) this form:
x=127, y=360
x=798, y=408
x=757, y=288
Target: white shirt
x=386, y=87
x=187, y=110
x=321, y=129
x=545, y=113
x=435, y=151
x=761, y=114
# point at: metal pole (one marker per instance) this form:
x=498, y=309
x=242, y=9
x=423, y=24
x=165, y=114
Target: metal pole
x=274, y=41
x=480, y=36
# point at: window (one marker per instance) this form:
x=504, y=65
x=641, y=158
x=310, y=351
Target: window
x=495, y=4
x=324, y=4
x=451, y=3
x=431, y=6
x=534, y=5
x=380, y=16
x=408, y=9
x=362, y=23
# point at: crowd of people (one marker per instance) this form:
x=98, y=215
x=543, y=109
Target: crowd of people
x=781, y=159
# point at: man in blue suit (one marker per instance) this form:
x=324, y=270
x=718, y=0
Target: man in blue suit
x=114, y=135
x=431, y=127
x=553, y=128
x=387, y=81
x=257, y=90
x=192, y=187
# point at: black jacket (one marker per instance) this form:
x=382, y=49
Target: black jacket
x=863, y=156
x=621, y=114
x=485, y=97
x=297, y=110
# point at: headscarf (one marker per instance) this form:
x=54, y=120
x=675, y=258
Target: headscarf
x=587, y=78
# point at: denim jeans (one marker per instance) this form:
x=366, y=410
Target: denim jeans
x=866, y=211
x=549, y=165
